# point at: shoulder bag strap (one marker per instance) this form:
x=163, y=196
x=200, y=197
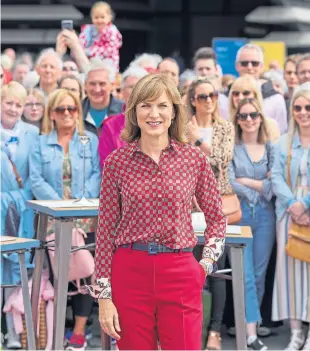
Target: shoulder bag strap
x=17, y=176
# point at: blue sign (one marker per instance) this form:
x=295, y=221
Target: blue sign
x=226, y=51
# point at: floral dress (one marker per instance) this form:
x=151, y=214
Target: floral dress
x=86, y=224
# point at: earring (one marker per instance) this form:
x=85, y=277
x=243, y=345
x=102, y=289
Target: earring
x=172, y=121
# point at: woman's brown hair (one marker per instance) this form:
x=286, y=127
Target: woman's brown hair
x=263, y=136
x=150, y=88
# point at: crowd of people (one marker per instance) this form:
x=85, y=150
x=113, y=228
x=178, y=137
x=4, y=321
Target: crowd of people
x=254, y=131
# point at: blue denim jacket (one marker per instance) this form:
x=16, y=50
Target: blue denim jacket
x=285, y=196
x=243, y=167
x=46, y=167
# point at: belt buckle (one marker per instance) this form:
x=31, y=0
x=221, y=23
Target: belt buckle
x=152, y=248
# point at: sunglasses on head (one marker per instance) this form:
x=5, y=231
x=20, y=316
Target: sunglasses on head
x=204, y=97
x=298, y=108
x=246, y=63
x=244, y=116
x=236, y=93
x=61, y=110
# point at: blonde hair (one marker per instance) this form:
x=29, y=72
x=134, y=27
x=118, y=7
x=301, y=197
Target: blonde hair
x=14, y=89
x=104, y=4
x=293, y=127
x=54, y=99
x=191, y=96
x=245, y=82
x=37, y=94
x=263, y=136
x=150, y=88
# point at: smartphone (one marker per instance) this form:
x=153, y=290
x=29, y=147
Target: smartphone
x=67, y=24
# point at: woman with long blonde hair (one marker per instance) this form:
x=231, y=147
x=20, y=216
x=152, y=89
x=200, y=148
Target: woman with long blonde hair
x=291, y=184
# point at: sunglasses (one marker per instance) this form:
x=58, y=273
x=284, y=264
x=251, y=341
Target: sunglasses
x=298, y=108
x=236, y=93
x=244, y=116
x=246, y=63
x=62, y=110
x=204, y=97
x=67, y=69
x=34, y=104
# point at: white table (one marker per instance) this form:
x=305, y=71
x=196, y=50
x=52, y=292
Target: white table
x=64, y=223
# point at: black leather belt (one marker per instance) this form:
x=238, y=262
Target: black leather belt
x=155, y=248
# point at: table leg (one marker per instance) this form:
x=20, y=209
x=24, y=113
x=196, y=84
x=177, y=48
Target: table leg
x=27, y=305
x=63, y=240
x=238, y=295
x=37, y=273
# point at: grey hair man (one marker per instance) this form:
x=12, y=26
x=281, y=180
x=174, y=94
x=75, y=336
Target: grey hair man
x=99, y=102
x=250, y=60
x=48, y=66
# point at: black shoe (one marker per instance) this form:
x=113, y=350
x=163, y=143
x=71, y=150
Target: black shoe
x=258, y=345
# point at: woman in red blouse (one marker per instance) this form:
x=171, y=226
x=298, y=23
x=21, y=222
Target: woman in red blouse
x=149, y=283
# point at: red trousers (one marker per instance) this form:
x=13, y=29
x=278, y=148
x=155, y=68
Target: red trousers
x=158, y=297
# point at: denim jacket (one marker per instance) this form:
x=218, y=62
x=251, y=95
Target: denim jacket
x=46, y=167
x=243, y=167
x=285, y=195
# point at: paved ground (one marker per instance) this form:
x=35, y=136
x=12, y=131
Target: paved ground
x=278, y=341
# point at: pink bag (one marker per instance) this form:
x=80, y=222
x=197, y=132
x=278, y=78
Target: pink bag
x=82, y=264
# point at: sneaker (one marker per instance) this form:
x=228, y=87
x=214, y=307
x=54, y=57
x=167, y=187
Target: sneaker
x=76, y=343
x=257, y=345
x=263, y=331
x=297, y=340
x=12, y=343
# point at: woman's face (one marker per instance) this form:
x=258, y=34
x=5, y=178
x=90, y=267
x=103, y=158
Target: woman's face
x=249, y=119
x=205, y=99
x=154, y=117
x=71, y=85
x=65, y=114
x=241, y=93
x=11, y=111
x=301, y=112
x=33, y=109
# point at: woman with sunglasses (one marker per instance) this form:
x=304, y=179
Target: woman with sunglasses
x=56, y=165
x=249, y=174
x=215, y=137
x=291, y=298
x=34, y=107
x=246, y=87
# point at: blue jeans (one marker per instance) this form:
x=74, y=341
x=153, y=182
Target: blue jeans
x=262, y=220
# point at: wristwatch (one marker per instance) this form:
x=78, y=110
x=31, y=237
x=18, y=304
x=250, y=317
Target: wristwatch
x=199, y=142
x=209, y=267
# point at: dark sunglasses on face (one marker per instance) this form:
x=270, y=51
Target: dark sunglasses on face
x=298, y=108
x=246, y=63
x=236, y=93
x=67, y=69
x=244, y=116
x=61, y=110
x=34, y=104
x=204, y=97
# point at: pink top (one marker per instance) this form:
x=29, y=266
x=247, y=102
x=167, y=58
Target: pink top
x=110, y=139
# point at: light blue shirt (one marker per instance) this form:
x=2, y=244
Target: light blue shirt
x=285, y=195
x=46, y=167
x=243, y=167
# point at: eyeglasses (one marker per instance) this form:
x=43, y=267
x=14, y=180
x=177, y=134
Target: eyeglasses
x=67, y=69
x=34, y=104
x=298, y=108
x=246, y=63
x=61, y=110
x=244, y=116
x=204, y=97
x=236, y=93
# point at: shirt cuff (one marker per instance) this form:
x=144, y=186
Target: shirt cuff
x=101, y=290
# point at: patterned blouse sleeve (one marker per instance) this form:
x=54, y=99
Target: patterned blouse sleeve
x=108, y=218
x=209, y=200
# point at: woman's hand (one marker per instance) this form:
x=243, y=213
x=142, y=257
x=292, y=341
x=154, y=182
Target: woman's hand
x=108, y=318
x=193, y=130
x=296, y=209
x=304, y=219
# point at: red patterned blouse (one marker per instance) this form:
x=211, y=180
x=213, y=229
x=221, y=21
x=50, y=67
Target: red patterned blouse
x=142, y=201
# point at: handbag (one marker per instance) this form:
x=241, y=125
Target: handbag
x=231, y=208
x=298, y=243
